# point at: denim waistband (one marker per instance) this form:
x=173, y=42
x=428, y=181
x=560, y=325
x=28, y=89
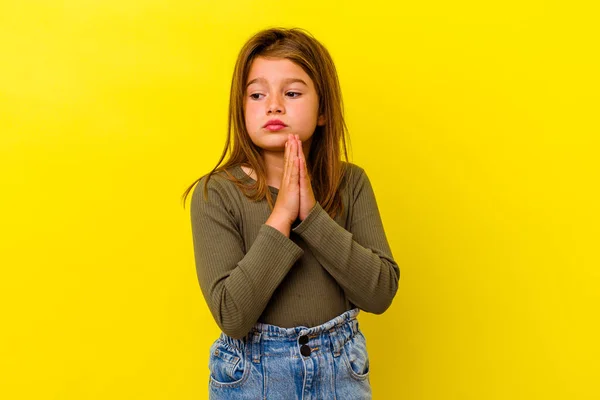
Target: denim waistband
x=276, y=331
x=331, y=334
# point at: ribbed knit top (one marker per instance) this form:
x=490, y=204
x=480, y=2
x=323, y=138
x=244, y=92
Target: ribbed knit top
x=250, y=272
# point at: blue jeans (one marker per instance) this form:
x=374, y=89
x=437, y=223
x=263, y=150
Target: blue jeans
x=325, y=362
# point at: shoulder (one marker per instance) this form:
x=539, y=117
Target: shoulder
x=218, y=185
x=352, y=174
x=356, y=182
x=352, y=167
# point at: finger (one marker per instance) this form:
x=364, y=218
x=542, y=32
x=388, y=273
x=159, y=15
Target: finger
x=294, y=161
x=289, y=165
x=286, y=160
x=299, y=143
x=286, y=152
x=302, y=169
x=301, y=160
x=295, y=170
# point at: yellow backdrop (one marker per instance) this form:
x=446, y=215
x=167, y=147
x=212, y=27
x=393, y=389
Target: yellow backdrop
x=476, y=122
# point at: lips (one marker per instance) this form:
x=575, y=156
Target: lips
x=274, y=125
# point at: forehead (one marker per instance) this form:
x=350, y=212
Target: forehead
x=276, y=70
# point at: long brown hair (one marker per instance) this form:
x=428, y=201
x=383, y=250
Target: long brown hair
x=324, y=162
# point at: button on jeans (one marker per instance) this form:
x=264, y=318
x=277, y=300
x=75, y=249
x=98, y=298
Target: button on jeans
x=324, y=362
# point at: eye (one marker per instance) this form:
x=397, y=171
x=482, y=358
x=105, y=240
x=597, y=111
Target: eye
x=254, y=96
x=293, y=95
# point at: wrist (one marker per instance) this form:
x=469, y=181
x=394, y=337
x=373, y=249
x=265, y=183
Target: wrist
x=280, y=224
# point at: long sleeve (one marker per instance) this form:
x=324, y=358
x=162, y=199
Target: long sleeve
x=236, y=286
x=360, y=259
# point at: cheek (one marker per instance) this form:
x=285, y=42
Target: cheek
x=311, y=108
x=248, y=116
x=250, y=112
x=311, y=112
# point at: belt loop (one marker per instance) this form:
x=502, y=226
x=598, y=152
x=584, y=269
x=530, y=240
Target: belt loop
x=355, y=329
x=336, y=341
x=256, y=338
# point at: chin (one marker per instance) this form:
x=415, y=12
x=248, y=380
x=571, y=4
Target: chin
x=272, y=143
x=273, y=148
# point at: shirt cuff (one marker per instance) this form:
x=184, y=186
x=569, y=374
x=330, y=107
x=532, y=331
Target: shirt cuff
x=310, y=218
x=279, y=241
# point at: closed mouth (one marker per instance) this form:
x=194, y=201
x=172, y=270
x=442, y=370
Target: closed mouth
x=274, y=123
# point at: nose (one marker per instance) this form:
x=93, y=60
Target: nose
x=275, y=105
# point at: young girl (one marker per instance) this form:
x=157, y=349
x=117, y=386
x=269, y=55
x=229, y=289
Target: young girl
x=288, y=240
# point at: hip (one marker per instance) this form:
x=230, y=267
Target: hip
x=328, y=361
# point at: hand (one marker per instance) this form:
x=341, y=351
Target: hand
x=287, y=205
x=307, y=197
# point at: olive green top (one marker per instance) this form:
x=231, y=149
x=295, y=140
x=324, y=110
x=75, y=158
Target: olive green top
x=250, y=272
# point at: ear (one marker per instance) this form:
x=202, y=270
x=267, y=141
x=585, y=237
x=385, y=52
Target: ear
x=321, y=120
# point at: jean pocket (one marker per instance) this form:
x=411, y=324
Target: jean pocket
x=356, y=357
x=227, y=365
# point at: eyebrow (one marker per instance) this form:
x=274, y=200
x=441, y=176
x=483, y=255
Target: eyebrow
x=285, y=81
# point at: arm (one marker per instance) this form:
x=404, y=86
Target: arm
x=360, y=259
x=236, y=286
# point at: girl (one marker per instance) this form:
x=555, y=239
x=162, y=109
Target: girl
x=288, y=240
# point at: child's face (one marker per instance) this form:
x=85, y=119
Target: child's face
x=278, y=89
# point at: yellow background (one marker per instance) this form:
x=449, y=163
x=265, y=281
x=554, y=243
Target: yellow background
x=476, y=121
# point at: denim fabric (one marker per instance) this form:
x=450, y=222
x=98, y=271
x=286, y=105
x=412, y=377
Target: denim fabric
x=268, y=363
